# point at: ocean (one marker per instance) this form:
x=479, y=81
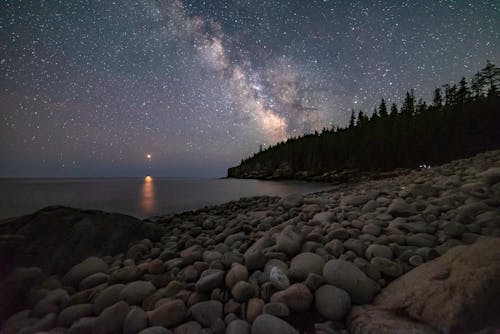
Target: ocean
x=139, y=197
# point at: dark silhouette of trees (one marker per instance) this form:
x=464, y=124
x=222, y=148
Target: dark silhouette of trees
x=463, y=122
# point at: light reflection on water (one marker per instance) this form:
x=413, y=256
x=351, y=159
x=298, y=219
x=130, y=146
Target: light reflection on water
x=147, y=205
x=140, y=197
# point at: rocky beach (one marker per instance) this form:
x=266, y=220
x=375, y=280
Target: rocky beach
x=414, y=253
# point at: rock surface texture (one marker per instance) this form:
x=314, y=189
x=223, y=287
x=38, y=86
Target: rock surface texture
x=415, y=253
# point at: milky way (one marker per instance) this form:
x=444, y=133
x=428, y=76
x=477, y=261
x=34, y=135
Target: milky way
x=89, y=88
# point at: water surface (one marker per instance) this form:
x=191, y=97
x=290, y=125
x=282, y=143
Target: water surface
x=140, y=197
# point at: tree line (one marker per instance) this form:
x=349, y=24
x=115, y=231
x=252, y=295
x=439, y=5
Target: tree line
x=462, y=119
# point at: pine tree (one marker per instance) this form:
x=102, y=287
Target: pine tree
x=437, y=101
x=491, y=76
x=352, y=120
x=394, y=109
x=463, y=92
x=382, y=109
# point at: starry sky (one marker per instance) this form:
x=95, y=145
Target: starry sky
x=90, y=88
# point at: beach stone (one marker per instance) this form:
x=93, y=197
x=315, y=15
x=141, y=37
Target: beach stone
x=156, y=267
x=425, y=190
x=134, y=293
x=335, y=247
x=371, y=229
x=345, y=275
x=331, y=302
x=289, y=240
x=93, y=281
x=254, y=256
x=87, y=267
x=387, y=267
x=367, y=319
x=491, y=175
x=453, y=229
x=156, y=330
x=209, y=280
x=47, y=322
x=238, y=327
x=314, y=281
x=108, y=297
x=243, y=291
x=207, y=312
x=169, y=314
x=415, y=260
x=400, y=208
x=83, y=326
x=266, y=324
x=192, y=254
x=297, y=297
x=305, y=263
x=228, y=258
x=135, y=321
x=421, y=240
x=70, y=314
x=237, y=273
x=375, y=250
x=190, y=327
x=278, y=278
x=291, y=201
x=126, y=274
x=231, y=239
x=340, y=234
x=457, y=292
x=254, y=308
x=355, y=200
x=277, y=309
x=355, y=245
x=111, y=319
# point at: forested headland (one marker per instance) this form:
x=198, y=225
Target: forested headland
x=461, y=120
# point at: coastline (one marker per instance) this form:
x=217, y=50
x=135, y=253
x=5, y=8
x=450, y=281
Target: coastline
x=264, y=263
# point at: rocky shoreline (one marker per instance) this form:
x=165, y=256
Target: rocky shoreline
x=418, y=253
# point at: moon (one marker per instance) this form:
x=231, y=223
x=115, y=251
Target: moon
x=148, y=156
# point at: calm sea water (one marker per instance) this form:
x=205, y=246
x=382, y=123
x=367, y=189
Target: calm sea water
x=140, y=197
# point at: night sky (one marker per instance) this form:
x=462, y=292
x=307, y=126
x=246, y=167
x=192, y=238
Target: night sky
x=90, y=88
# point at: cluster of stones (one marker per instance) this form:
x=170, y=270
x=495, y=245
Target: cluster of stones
x=258, y=265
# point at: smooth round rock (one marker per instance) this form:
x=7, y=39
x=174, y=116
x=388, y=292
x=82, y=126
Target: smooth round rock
x=375, y=250
x=243, y=291
x=135, y=321
x=168, y=314
x=297, y=297
x=207, y=312
x=73, y=313
x=346, y=276
x=237, y=273
x=305, y=263
x=278, y=278
x=155, y=330
x=238, y=327
x=111, y=319
x=87, y=267
x=331, y=302
x=134, y=293
x=108, y=297
x=267, y=324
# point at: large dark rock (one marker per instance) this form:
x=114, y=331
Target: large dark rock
x=455, y=293
x=56, y=238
